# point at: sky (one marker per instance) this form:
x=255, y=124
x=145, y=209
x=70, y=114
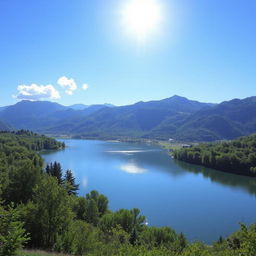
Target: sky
x=80, y=51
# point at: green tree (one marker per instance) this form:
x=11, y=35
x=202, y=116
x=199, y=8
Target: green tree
x=55, y=170
x=79, y=239
x=100, y=200
x=196, y=249
x=69, y=182
x=92, y=213
x=156, y=237
x=49, y=214
x=79, y=207
x=22, y=180
x=12, y=234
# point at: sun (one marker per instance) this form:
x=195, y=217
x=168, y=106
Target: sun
x=141, y=18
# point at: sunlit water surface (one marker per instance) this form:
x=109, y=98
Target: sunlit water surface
x=200, y=202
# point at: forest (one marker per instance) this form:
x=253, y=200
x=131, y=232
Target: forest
x=236, y=156
x=40, y=209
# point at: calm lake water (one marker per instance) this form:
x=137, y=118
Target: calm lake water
x=200, y=202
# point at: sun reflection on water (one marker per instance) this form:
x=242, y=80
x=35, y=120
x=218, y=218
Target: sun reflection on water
x=132, y=168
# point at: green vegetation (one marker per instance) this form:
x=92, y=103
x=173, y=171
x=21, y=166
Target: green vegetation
x=237, y=156
x=29, y=140
x=12, y=233
x=40, y=209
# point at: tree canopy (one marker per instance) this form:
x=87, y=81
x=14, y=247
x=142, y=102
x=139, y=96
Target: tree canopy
x=236, y=156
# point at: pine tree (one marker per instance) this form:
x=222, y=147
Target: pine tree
x=69, y=181
x=55, y=170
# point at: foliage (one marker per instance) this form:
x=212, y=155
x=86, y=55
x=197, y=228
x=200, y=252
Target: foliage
x=69, y=181
x=49, y=213
x=12, y=233
x=55, y=170
x=20, y=167
x=91, y=208
x=237, y=156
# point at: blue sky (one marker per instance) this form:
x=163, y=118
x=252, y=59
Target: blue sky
x=203, y=50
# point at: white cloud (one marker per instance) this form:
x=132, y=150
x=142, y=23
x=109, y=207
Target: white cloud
x=67, y=83
x=37, y=92
x=85, y=86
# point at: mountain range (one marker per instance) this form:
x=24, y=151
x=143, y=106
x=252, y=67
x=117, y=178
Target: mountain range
x=175, y=117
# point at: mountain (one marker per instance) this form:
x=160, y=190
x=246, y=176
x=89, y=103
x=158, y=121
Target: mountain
x=133, y=120
x=78, y=106
x=82, y=106
x=3, y=108
x=41, y=115
x=30, y=114
x=4, y=127
x=227, y=120
x=175, y=117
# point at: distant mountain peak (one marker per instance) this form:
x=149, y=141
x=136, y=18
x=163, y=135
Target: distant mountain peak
x=175, y=96
x=78, y=106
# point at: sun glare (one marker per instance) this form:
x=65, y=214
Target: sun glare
x=141, y=17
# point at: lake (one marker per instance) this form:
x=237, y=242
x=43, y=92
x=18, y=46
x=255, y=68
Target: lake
x=200, y=202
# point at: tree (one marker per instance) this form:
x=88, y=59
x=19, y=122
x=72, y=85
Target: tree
x=79, y=207
x=55, y=170
x=22, y=180
x=92, y=213
x=49, y=214
x=12, y=233
x=69, y=181
x=156, y=237
x=196, y=249
x=129, y=220
x=77, y=240
x=100, y=200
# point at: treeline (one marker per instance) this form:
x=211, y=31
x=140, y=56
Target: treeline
x=236, y=156
x=40, y=209
x=30, y=140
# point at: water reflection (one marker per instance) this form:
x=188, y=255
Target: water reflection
x=132, y=168
x=153, y=156
x=237, y=181
x=84, y=182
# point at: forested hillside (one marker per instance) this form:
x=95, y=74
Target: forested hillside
x=227, y=120
x=237, y=156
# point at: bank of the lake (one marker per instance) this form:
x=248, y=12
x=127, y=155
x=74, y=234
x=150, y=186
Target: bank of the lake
x=200, y=202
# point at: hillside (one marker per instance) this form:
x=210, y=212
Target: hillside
x=227, y=120
x=136, y=120
x=4, y=126
x=40, y=115
x=175, y=117
x=236, y=156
